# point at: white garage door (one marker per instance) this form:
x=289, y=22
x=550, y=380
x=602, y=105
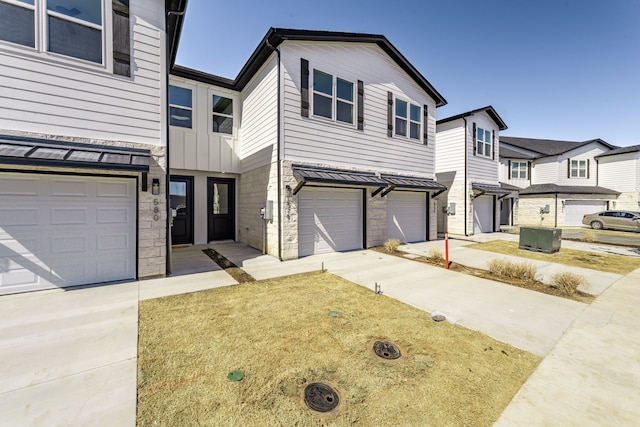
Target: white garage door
x=483, y=214
x=407, y=216
x=63, y=230
x=574, y=210
x=329, y=220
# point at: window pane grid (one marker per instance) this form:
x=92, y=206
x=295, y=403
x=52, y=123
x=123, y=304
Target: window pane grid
x=333, y=97
x=222, y=108
x=483, y=142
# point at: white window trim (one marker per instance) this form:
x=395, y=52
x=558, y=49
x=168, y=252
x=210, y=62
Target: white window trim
x=232, y=116
x=481, y=153
x=192, y=109
x=41, y=41
x=520, y=163
x=407, y=119
x=334, y=98
x=578, y=168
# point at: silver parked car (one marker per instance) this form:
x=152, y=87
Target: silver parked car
x=619, y=220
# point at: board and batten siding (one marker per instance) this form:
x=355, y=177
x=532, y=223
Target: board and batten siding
x=259, y=130
x=200, y=148
x=46, y=94
x=620, y=172
x=319, y=140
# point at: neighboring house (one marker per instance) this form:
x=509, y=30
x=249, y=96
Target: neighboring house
x=467, y=163
x=325, y=141
x=83, y=140
x=619, y=169
x=558, y=179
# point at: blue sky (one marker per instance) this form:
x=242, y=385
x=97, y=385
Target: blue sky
x=557, y=69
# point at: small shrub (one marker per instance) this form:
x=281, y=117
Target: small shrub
x=391, y=245
x=589, y=236
x=436, y=255
x=512, y=270
x=567, y=282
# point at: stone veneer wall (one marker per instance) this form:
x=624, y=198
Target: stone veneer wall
x=376, y=219
x=152, y=226
x=628, y=201
x=255, y=187
x=529, y=211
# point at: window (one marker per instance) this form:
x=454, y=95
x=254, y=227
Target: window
x=519, y=170
x=483, y=142
x=69, y=27
x=222, y=115
x=408, y=119
x=331, y=103
x=578, y=169
x=180, y=107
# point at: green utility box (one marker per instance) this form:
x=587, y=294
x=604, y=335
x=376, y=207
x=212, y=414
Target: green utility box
x=540, y=239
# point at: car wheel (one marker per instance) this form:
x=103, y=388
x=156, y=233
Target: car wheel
x=596, y=225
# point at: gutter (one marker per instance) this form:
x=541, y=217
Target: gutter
x=466, y=153
x=278, y=150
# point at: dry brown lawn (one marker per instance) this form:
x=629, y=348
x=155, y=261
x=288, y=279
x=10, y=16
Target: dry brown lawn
x=596, y=261
x=286, y=333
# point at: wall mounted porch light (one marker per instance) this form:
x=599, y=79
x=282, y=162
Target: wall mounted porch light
x=155, y=186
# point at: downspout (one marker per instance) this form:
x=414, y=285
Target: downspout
x=556, y=219
x=466, y=149
x=278, y=154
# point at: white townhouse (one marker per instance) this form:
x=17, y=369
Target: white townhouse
x=619, y=170
x=557, y=181
x=325, y=141
x=83, y=140
x=467, y=163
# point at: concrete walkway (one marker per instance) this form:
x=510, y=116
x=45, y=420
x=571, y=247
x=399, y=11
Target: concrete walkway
x=69, y=357
x=592, y=375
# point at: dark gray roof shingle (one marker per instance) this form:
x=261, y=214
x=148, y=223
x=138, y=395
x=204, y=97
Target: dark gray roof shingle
x=621, y=150
x=549, y=147
x=568, y=189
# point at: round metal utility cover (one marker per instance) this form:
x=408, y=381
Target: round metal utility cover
x=386, y=350
x=321, y=397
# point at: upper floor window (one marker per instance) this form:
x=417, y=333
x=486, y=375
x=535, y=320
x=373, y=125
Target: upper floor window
x=519, y=170
x=578, y=169
x=332, y=97
x=222, y=115
x=483, y=142
x=408, y=119
x=68, y=27
x=180, y=107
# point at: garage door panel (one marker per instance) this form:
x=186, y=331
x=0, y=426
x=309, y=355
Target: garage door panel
x=407, y=216
x=329, y=220
x=576, y=209
x=19, y=186
x=61, y=236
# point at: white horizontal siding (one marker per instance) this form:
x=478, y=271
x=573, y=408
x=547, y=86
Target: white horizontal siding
x=480, y=168
x=259, y=131
x=545, y=171
x=322, y=141
x=620, y=172
x=54, y=97
x=200, y=148
x=587, y=152
x=450, y=147
x=504, y=175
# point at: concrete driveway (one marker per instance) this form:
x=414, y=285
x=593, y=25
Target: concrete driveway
x=69, y=358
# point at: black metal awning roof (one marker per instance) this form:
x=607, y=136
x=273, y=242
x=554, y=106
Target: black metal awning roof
x=42, y=152
x=387, y=183
x=481, y=189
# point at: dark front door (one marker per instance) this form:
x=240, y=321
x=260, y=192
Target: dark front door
x=181, y=202
x=221, y=206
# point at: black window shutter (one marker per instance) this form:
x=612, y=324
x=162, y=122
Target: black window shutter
x=529, y=170
x=493, y=144
x=425, y=124
x=587, y=168
x=304, y=87
x=389, y=114
x=121, y=38
x=474, y=139
x=360, y=105
x=510, y=162
x=568, y=168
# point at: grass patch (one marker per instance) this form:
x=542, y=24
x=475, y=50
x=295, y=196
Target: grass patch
x=567, y=282
x=523, y=270
x=286, y=333
x=596, y=261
